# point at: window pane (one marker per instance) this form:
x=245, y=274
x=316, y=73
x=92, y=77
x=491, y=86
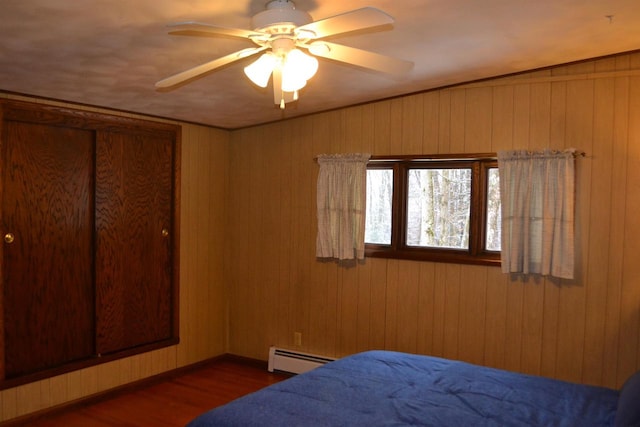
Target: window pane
x=438, y=208
x=379, y=199
x=494, y=217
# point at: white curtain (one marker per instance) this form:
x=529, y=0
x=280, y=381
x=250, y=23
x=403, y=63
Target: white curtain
x=341, y=198
x=537, y=191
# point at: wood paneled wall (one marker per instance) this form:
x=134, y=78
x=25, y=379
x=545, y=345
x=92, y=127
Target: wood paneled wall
x=586, y=330
x=202, y=291
x=249, y=277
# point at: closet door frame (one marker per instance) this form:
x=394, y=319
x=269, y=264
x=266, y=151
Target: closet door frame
x=13, y=110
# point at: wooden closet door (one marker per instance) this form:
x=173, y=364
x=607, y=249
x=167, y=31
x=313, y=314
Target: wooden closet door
x=47, y=257
x=134, y=195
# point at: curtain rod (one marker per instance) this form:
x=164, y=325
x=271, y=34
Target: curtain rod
x=459, y=156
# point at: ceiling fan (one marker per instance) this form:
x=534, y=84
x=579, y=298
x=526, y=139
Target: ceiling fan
x=280, y=32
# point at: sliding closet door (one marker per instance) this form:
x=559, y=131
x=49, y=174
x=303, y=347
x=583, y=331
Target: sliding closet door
x=134, y=264
x=47, y=258
x=88, y=256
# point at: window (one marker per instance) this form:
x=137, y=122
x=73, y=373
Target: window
x=437, y=208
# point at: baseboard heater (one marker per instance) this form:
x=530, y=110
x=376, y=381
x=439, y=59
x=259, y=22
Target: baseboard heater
x=294, y=362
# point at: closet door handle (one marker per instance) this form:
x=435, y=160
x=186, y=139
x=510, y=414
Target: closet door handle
x=9, y=238
x=165, y=232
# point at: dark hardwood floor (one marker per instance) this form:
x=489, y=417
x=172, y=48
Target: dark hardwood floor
x=174, y=401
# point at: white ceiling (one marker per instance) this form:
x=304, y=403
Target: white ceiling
x=110, y=53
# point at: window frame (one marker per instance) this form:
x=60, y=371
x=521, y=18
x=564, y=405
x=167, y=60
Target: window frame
x=398, y=249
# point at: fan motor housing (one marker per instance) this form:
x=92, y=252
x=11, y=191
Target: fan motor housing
x=280, y=16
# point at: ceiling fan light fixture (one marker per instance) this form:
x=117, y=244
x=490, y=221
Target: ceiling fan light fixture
x=278, y=30
x=260, y=70
x=292, y=83
x=301, y=64
x=297, y=69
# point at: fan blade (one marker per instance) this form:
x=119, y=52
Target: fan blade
x=192, y=28
x=205, y=68
x=358, y=19
x=278, y=94
x=359, y=57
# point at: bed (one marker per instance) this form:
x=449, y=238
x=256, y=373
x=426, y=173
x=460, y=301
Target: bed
x=384, y=388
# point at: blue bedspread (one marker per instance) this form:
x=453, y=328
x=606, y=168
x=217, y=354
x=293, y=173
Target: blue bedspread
x=381, y=388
